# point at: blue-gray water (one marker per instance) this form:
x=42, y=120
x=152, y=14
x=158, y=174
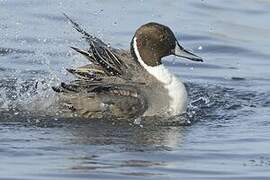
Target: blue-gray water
x=229, y=135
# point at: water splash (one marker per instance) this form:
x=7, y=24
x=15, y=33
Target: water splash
x=35, y=98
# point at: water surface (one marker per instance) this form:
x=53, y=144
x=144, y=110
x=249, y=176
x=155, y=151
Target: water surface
x=228, y=133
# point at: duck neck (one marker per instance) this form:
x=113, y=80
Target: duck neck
x=176, y=89
x=160, y=72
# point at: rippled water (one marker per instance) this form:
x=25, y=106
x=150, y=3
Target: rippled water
x=228, y=137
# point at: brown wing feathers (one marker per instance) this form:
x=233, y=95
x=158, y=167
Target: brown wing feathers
x=99, y=53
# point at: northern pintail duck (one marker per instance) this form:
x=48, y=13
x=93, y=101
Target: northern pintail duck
x=126, y=84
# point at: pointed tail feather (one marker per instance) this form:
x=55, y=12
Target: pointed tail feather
x=86, y=54
x=87, y=73
x=105, y=63
x=100, y=54
x=82, y=74
x=86, y=35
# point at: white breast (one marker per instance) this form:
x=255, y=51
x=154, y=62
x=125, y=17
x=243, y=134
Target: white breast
x=176, y=89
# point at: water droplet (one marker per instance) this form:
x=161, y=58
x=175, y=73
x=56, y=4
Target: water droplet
x=137, y=121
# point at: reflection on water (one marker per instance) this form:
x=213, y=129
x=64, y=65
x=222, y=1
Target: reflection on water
x=123, y=139
x=224, y=135
x=80, y=145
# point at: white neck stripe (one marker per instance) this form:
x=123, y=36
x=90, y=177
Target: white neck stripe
x=137, y=53
x=176, y=89
x=160, y=71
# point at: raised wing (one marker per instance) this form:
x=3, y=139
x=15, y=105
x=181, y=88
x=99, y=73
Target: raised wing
x=104, y=87
x=103, y=57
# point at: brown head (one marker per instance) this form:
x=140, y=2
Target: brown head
x=154, y=41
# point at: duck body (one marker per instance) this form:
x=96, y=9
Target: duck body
x=125, y=84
